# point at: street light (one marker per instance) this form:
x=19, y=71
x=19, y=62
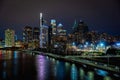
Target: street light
x=102, y=44
x=73, y=44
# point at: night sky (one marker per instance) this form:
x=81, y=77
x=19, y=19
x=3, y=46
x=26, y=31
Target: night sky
x=99, y=15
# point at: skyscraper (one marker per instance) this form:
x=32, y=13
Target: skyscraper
x=45, y=35
x=49, y=35
x=43, y=32
x=27, y=37
x=27, y=34
x=36, y=32
x=80, y=27
x=58, y=35
x=79, y=30
x=53, y=25
x=59, y=28
x=41, y=29
x=9, y=38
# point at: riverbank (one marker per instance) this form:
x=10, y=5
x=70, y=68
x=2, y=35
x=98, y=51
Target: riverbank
x=90, y=63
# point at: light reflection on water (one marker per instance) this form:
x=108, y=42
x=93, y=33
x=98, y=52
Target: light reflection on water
x=90, y=75
x=4, y=74
x=40, y=62
x=107, y=78
x=74, y=72
x=101, y=72
x=82, y=74
x=15, y=65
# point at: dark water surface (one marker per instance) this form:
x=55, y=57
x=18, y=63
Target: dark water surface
x=16, y=65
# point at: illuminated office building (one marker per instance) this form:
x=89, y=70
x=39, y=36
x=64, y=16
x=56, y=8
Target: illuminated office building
x=60, y=30
x=54, y=28
x=27, y=34
x=58, y=35
x=45, y=35
x=79, y=30
x=28, y=37
x=36, y=33
x=43, y=32
x=9, y=38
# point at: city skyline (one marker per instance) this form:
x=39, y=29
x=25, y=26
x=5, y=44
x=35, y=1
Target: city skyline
x=102, y=16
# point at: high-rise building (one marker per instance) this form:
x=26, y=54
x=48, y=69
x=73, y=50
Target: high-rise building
x=79, y=30
x=49, y=36
x=54, y=28
x=27, y=34
x=58, y=36
x=36, y=33
x=45, y=35
x=9, y=38
x=43, y=32
x=60, y=30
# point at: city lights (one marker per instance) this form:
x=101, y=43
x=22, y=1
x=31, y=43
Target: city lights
x=60, y=40
x=118, y=44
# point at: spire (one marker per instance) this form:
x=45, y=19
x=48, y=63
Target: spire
x=75, y=24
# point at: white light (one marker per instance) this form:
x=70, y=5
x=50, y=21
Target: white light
x=60, y=25
x=118, y=44
x=40, y=15
x=73, y=43
x=101, y=44
x=86, y=43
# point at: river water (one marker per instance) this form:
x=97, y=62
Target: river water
x=16, y=65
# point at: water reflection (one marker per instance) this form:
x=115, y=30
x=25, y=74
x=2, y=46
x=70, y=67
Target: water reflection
x=15, y=54
x=0, y=54
x=7, y=54
x=40, y=67
x=4, y=64
x=74, y=72
x=4, y=75
x=11, y=65
x=60, y=70
x=90, y=75
x=101, y=72
x=54, y=65
x=4, y=70
x=68, y=68
x=82, y=74
x=16, y=65
x=107, y=78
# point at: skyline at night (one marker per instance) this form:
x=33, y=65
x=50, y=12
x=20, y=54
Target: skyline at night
x=101, y=16
x=59, y=39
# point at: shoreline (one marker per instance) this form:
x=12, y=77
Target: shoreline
x=80, y=61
